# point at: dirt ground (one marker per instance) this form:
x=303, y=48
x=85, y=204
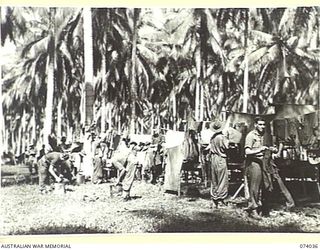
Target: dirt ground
x=89, y=208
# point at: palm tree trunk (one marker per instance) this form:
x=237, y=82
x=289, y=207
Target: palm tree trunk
x=59, y=119
x=277, y=84
x=207, y=102
x=158, y=116
x=201, y=102
x=245, y=84
x=285, y=71
x=109, y=114
x=119, y=123
x=133, y=70
x=197, y=101
x=318, y=42
x=1, y=111
x=13, y=142
x=6, y=141
x=223, y=113
x=104, y=92
x=281, y=74
x=2, y=129
x=23, y=133
x=246, y=67
x=174, y=110
x=18, y=152
x=104, y=72
x=49, y=100
x=202, y=77
x=142, y=125
x=88, y=65
x=69, y=132
x=197, y=96
x=47, y=127
x=83, y=106
x=257, y=108
x=34, y=125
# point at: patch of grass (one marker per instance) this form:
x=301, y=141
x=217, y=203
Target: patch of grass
x=89, y=209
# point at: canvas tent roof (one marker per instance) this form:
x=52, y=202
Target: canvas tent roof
x=292, y=110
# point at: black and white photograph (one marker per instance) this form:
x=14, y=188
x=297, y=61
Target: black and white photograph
x=118, y=120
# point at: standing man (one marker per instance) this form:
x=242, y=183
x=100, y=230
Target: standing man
x=314, y=141
x=63, y=146
x=51, y=164
x=32, y=160
x=254, y=151
x=156, y=168
x=98, y=154
x=132, y=163
x=219, y=170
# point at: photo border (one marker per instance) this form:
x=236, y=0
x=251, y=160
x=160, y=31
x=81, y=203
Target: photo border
x=168, y=238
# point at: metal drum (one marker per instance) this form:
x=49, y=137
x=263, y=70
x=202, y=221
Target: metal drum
x=59, y=188
x=80, y=179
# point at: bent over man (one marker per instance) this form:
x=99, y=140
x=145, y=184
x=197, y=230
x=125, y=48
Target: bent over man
x=126, y=163
x=51, y=164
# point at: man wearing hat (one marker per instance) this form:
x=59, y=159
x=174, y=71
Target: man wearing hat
x=51, y=164
x=219, y=171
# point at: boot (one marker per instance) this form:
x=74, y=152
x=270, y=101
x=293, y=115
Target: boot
x=254, y=214
x=126, y=195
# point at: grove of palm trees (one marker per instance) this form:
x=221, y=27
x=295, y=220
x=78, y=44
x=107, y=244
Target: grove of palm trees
x=141, y=70
x=150, y=67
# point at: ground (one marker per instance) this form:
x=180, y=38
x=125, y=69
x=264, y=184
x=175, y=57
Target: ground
x=89, y=208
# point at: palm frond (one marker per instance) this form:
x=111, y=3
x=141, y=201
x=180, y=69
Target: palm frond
x=287, y=21
x=257, y=55
x=260, y=36
x=35, y=46
x=309, y=55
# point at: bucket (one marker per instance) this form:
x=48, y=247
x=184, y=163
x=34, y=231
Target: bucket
x=80, y=179
x=59, y=188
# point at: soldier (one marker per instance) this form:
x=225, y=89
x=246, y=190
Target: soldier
x=126, y=163
x=32, y=160
x=98, y=154
x=219, y=170
x=51, y=164
x=63, y=146
x=254, y=151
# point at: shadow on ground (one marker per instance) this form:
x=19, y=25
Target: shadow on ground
x=215, y=221
x=61, y=230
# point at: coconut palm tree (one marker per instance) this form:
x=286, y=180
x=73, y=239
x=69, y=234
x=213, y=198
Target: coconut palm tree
x=211, y=57
x=13, y=25
x=271, y=47
x=8, y=17
x=69, y=71
x=134, y=38
x=235, y=24
x=37, y=55
x=284, y=55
